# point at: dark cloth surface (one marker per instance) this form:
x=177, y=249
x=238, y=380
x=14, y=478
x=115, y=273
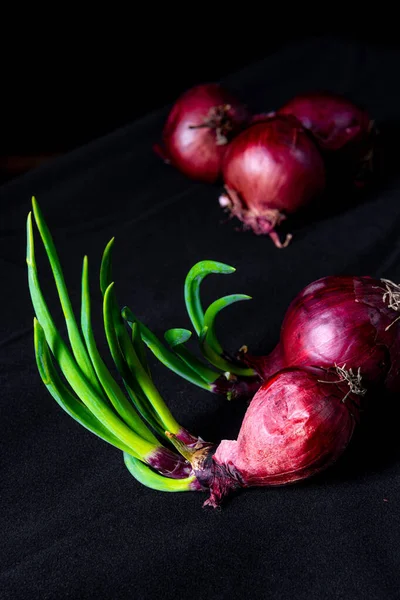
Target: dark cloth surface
x=74, y=523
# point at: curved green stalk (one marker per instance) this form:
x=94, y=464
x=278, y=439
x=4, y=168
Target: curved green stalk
x=71, y=370
x=77, y=345
x=217, y=360
x=192, y=289
x=165, y=356
x=145, y=382
x=115, y=332
x=140, y=349
x=155, y=481
x=106, y=267
x=121, y=404
x=208, y=339
x=176, y=338
x=113, y=335
x=63, y=396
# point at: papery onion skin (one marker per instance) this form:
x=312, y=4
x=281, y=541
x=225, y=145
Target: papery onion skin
x=336, y=320
x=193, y=148
x=338, y=126
x=271, y=170
x=299, y=422
x=334, y=120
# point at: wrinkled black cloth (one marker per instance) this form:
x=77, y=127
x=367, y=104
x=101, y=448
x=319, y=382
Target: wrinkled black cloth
x=73, y=521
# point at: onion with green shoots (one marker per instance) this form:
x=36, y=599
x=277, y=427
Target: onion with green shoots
x=298, y=423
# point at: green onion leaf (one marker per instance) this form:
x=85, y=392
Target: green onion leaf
x=155, y=481
x=140, y=349
x=209, y=342
x=106, y=267
x=192, y=289
x=176, y=338
x=77, y=345
x=63, y=396
x=114, y=329
x=165, y=356
x=145, y=382
x=121, y=404
x=219, y=361
x=82, y=386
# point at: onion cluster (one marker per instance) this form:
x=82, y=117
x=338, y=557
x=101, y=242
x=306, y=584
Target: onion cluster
x=298, y=423
x=270, y=165
x=341, y=320
x=340, y=339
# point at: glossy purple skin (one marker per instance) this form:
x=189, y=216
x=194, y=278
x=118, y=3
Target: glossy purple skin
x=169, y=464
x=334, y=121
x=341, y=320
x=295, y=426
x=239, y=387
x=273, y=164
x=195, y=152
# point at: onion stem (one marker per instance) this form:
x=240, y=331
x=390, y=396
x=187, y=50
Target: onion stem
x=80, y=384
x=77, y=345
x=165, y=356
x=212, y=347
x=176, y=339
x=155, y=481
x=112, y=389
x=145, y=382
x=63, y=396
x=192, y=289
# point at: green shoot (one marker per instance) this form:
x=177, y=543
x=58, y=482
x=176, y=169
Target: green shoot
x=77, y=345
x=81, y=385
x=176, y=338
x=121, y=404
x=146, y=476
x=165, y=356
x=192, y=289
x=63, y=396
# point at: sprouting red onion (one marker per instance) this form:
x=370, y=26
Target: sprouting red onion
x=270, y=170
x=198, y=129
x=338, y=126
x=298, y=423
x=341, y=320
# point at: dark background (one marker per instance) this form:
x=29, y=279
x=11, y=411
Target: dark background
x=74, y=524
x=65, y=85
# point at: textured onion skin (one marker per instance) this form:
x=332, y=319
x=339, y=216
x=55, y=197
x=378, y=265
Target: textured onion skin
x=334, y=121
x=270, y=170
x=341, y=129
x=340, y=320
x=197, y=152
x=295, y=426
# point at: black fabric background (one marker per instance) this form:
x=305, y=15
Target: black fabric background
x=74, y=523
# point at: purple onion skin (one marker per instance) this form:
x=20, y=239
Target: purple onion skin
x=270, y=170
x=334, y=121
x=198, y=152
x=339, y=320
x=298, y=424
x=169, y=464
x=237, y=387
x=342, y=130
x=265, y=366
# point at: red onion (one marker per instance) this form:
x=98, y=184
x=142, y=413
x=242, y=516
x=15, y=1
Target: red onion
x=298, y=423
x=270, y=170
x=336, y=320
x=198, y=129
x=338, y=125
